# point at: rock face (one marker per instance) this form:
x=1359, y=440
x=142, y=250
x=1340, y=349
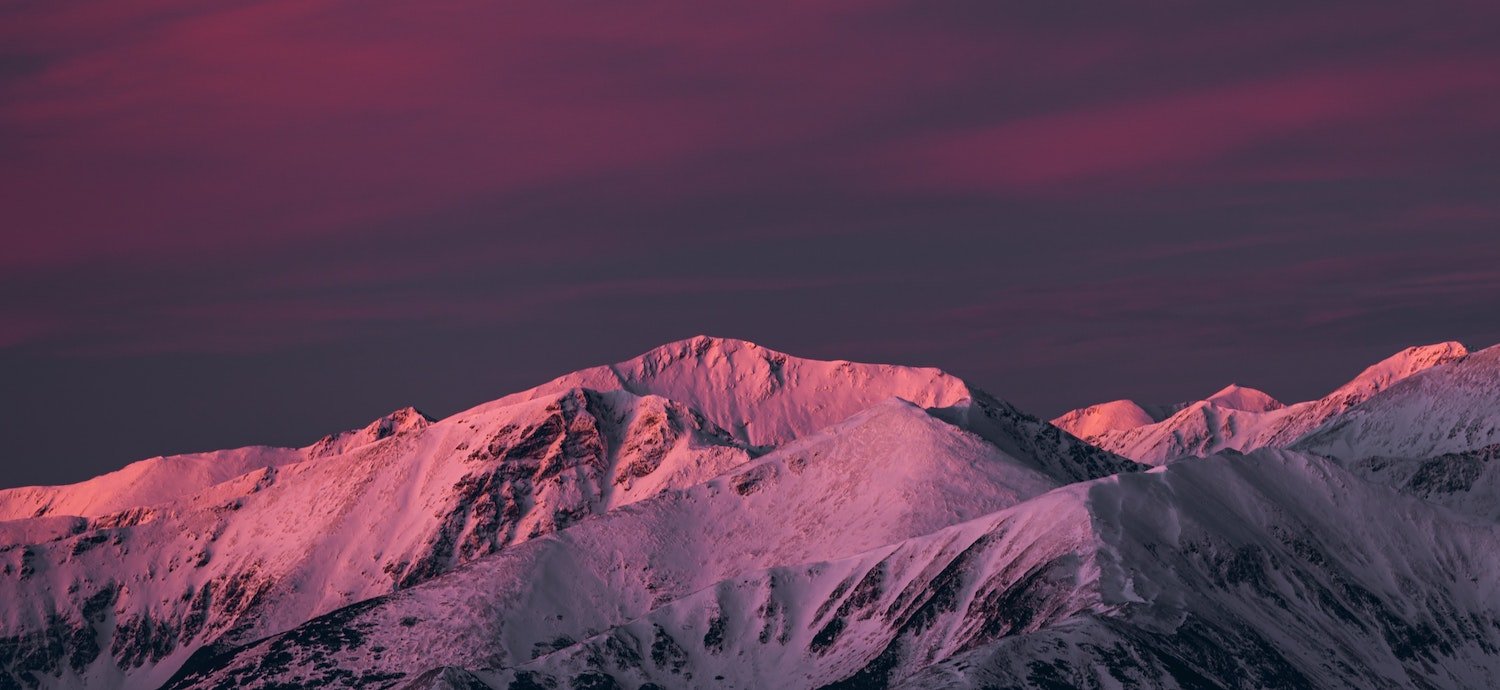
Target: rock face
x=1243, y=419
x=716, y=514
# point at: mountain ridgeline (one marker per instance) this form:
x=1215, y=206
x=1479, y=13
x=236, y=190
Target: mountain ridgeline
x=714, y=513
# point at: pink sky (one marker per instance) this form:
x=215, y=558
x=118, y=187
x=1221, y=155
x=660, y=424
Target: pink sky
x=1064, y=206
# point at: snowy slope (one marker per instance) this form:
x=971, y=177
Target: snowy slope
x=1047, y=448
x=163, y=479
x=148, y=482
x=268, y=550
x=1270, y=570
x=1239, y=418
x=763, y=397
x=890, y=473
x=1450, y=409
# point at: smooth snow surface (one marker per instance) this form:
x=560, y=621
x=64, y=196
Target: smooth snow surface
x=145, y=483
x=1096, y=420
x=163, y=479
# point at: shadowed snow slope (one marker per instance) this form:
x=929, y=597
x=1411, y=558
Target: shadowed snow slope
x=887, y=474
x=1269, y=570
x=1468, y=481
x=1243, y=419
x=761, y=396
x=1044, y=446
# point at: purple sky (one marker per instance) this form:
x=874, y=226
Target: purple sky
x=236, y=222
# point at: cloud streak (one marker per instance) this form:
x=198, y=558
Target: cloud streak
x=1066, y=206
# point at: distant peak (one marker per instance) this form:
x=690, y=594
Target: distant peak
x=396, y=422
x=1237, y=397
x=1448, y=350
x=1116, y=415
x=1382, y=374
x=701, y=352
x=700, y=345
x=761, y=396
x=400, y=420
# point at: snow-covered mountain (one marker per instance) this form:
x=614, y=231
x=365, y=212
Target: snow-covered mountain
x=1269, y=570
x=132, y=594
x=1238, y=418
x=717, y=514
x=887, y=474
x=122, y=598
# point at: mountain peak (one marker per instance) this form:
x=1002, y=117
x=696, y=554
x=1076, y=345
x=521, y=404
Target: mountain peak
x=1115, y=415
x=707, y=350
x=760, y=396
x=1379, y=376
x=704, y=342
x=404, y=419
x=396, y=422
x=1237, y=397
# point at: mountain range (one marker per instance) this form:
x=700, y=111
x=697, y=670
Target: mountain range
x=714, y=513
